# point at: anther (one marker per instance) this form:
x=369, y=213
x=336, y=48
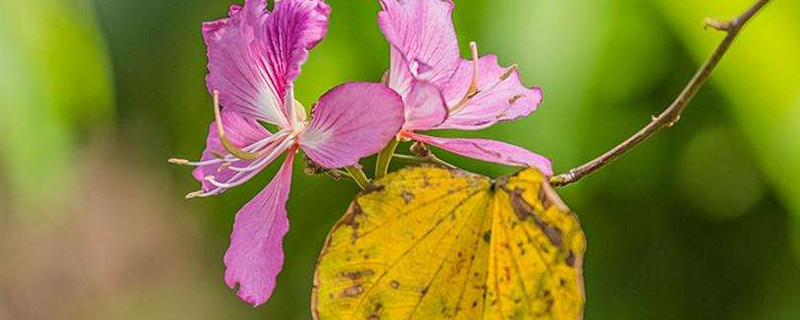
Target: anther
x=178, y=161
x=513, y=68
x=196, y=194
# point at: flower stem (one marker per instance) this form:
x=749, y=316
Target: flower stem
x=385, y=158
x=358, y=176
x=672, y=114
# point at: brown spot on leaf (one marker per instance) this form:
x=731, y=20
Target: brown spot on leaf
x=353, y=291
x=525, y=211
x=394, y=284
x=355, y=275
x=407, y=196
x=372, y=188
x=546, y=201
x=571, y=259
x=351, y=219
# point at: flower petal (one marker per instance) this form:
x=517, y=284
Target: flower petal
x=254, y=55
x=423, y=32
x=490, y=151
x=400, y=77
x=501, y=96
x=352, y=121
x=255, y=257
x=241, y=132
x=425, y=107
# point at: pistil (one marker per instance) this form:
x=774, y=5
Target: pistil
x=227, y=144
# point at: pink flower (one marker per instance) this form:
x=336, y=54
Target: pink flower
x=254, y=57
x=443, y=91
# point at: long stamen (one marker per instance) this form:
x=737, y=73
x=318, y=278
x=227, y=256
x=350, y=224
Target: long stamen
x=503, y=77
x=274, y=152
x=197, y=194
x=244, y=174
x=507, y=74
x=185, y=162
x=473, y=85
x=240, y=178
x=227, y=144
x=230, y=158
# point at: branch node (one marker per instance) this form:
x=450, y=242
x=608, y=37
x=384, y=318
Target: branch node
x=725, y=26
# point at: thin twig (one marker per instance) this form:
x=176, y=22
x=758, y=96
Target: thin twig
x=339, y=174
x=421, y=150
x=672, y=114
x=419, y=160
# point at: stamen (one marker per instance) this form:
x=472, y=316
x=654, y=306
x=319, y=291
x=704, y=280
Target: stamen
x=245, y=174
x=227, y=144
x=473, y=85
x=227, y=159
x=274, y=153
x=197, y=194
x=178, y=161
x=217, y=154
x=503, y=77
x=199, y=163
x=513, y=68
x=213, y=181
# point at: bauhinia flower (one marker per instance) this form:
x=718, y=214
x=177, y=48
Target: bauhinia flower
x=443, y=91
x=254, y=57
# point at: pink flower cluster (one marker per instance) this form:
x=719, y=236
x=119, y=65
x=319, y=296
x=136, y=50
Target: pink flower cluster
x=255, y=55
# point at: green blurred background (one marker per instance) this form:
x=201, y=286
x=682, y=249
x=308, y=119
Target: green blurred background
x=701, y=222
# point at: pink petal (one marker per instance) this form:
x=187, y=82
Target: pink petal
x=490, y=151
x=400, y=76
x=352, y=121
x=497, y=100
x=425, y=107
x=423, y=32
x=254, y=55
x=255, y=257
x=241, y=132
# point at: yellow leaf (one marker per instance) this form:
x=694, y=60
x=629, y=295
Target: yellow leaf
x=432, y=243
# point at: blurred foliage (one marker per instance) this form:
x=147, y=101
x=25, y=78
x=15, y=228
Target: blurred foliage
x=56, y=81
x=699, y=222
x=761, y=80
